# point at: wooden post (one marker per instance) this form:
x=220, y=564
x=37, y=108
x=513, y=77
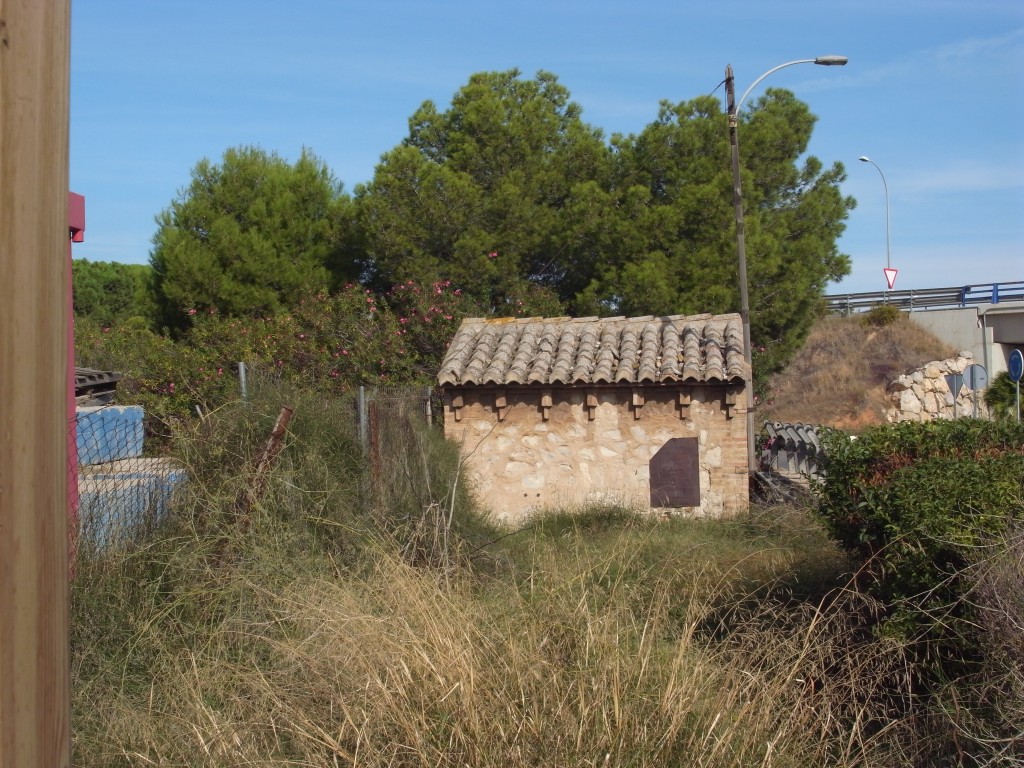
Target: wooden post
x=34, y=656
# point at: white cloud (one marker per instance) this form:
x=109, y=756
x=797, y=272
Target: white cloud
x=975, y=47
x=963, y=177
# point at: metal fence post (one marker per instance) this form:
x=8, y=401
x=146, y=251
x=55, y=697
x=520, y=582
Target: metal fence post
x=364, y=432
x=242, y=381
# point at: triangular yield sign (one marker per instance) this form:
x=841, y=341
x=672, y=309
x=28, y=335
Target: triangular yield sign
x=890, y=276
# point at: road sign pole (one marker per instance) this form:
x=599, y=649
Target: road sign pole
x=1016, y=371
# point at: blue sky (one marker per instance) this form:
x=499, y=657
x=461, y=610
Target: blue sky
x=933, y=93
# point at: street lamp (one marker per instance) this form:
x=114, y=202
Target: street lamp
x=888, y=230
x=733, y=108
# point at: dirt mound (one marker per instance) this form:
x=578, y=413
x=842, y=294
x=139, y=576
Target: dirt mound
x=841, y=375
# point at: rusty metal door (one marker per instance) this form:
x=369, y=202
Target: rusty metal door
x=675, y=474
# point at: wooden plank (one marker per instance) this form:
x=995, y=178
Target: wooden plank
x=34, y=655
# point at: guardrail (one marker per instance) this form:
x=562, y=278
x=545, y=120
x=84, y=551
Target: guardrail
x=927, y=298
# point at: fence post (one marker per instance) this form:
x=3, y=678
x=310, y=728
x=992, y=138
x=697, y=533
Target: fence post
x=364, y=433
x=430, y=408
x=243, y=381
x=35, y=713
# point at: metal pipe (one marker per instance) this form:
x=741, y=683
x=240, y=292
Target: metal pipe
x=243, y=381
x=888, y=227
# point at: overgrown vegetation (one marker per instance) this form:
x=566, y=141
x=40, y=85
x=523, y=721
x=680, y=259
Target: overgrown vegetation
x=327, y=342
x=372, y=618
x=932, y=513
x=839, y=378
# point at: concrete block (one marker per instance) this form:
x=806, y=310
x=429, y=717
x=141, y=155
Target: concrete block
x=113, y=510
x=120, y=501
x=108, y=433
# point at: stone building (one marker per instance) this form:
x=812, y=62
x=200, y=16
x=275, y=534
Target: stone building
x=646, y=411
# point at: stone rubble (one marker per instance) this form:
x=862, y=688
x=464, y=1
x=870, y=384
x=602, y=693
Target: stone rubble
x=924, y=395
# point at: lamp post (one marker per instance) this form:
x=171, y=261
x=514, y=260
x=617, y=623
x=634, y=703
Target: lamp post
x=888, y=230
x=732, y=109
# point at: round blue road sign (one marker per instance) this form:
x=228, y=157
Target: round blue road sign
x=1016, y=366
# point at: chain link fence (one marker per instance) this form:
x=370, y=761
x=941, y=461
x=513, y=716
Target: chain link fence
x=124, y=495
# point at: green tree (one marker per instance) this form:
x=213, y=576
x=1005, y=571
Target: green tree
x=108, y=292
x=479, y=194
x=667, y=241
x=509, y=187
x=250, y=236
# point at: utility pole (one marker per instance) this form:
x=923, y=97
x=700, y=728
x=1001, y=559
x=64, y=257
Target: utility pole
x=741, y=247
x=732, y=109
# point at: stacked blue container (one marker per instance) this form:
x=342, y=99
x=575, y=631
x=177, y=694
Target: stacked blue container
x=122, y=496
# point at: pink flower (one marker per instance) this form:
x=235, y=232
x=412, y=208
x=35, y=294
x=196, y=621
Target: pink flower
x=191, y=312
x=492, y=255
x=344, y=351
x=170, y=387
x=334, y=374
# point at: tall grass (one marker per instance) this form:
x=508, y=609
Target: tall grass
x=574, y=667
x=586, y=638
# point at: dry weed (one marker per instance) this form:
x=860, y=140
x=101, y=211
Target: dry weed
x=396, y=669
x=840, y=376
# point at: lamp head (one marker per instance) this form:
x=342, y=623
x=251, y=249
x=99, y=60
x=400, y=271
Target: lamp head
x=864, y=159
x=831, y=61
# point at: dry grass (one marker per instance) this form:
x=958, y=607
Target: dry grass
x=607, y=642
x=839, y=377
x=589, y=638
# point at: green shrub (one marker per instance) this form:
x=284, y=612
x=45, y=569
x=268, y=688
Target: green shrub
x=913, y=502
x=166, y=378
x=881, y=316
x=1001, y=397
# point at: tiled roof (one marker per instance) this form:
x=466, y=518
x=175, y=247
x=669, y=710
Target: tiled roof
x=590, y=350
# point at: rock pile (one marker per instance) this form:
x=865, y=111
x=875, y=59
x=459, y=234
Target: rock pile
x=925, y=395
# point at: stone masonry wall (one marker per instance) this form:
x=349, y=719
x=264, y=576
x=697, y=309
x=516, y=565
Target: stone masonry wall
x=570, y=446
x=924, y=394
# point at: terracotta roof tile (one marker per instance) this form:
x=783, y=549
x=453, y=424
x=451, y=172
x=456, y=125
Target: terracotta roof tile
x=614, y=350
